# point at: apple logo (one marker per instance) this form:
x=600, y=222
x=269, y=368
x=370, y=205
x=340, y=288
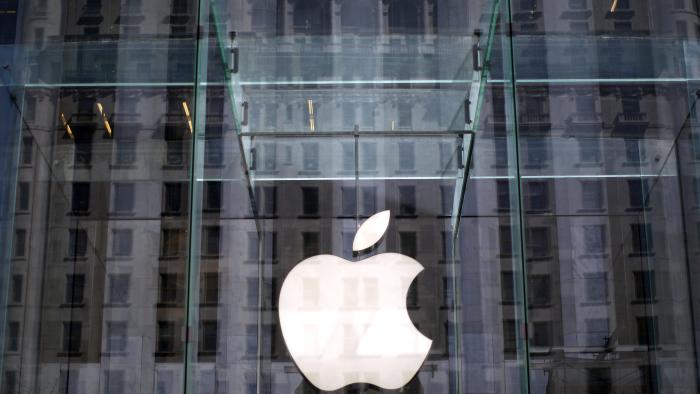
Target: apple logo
x=346, y=322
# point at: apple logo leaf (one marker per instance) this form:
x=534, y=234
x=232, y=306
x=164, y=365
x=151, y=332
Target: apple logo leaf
x=371, y=231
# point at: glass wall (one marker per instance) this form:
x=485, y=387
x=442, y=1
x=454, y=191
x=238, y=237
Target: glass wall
x=167, y=163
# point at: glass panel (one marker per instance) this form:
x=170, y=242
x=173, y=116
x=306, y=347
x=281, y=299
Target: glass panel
x=332, y=112
x=96, y=135
x=604, y=123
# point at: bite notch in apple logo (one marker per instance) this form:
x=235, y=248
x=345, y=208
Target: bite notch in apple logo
x=346, y=322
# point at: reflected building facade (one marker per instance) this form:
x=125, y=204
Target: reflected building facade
x=169, y=162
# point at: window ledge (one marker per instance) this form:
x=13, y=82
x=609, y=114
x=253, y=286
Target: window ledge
x=591, y=210
x=173, y=166
x=594, y=303
x=169, y=257
x=122, y=166
x=641, y=254
x=78, y=213
x=644, y=301
x=72, y=305
x=116, y=304
x=120, y=353
x=593, y=255
x=69, y=354
x=75, y=258
x=173, y=304
x=122, y=214
x=120, y=258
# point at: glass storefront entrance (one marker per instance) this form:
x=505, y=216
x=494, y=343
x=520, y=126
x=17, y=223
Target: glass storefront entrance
x=165, y=164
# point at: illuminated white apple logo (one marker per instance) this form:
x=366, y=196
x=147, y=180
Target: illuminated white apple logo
x=346, y=322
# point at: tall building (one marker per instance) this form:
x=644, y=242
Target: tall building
x=166, y=164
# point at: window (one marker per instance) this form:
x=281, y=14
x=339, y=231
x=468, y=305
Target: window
x=599, y=380
x=251, y=340
x=77, y=243
x=9, y=385
x=638, y=193
x=269, y=154
x=210, y=288
x=577, y=4
x=75, y=289
x=645, y=285
x=592, y=195
x=123, y=197
x=83, y=149
x=309, y=201
x=541, y=333
x=539, y=290
x=407, y=200
x=446, y=199
x=211, y=242
x=507, y=288
x=20, y=244
x=447, y=248
x=212, y=195
x=166, y=337
x=116, y=336
x=537, y=196
x=408, y=243
x=447, y=152
x=589, y=150
x=447, y=292
x=505, y=242
x=253, y=246
x=118, y=288
x=125, y=149
x=536, y=148
x=27, y=155
x=72, y=336
x=80, y=202
x=368, y=151
x=17, y=288
x=502, y=195
x=170, y=242
x=210, y=333
x=174, y=146
x=407, y=156
x=213, y=151
x=647, y=330
x=634, y=151
x=172, y=198
x=538, y=242
x=12, y=336
x=310, y=156
x=594, y=239
x=23, y=196
x=169, y=289
x=114, y=382
x=642, y=238
x=251, y=292
x=348, y=156
x=348, y=201
x=500, y=152
x=266, y=196
x=510, y=338
x=369, y=200
x=310, y=245
x=122, y=242
x=528, y=5
x=597, y=332
x=596, y=287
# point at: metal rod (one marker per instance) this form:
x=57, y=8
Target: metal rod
x=451, y=133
